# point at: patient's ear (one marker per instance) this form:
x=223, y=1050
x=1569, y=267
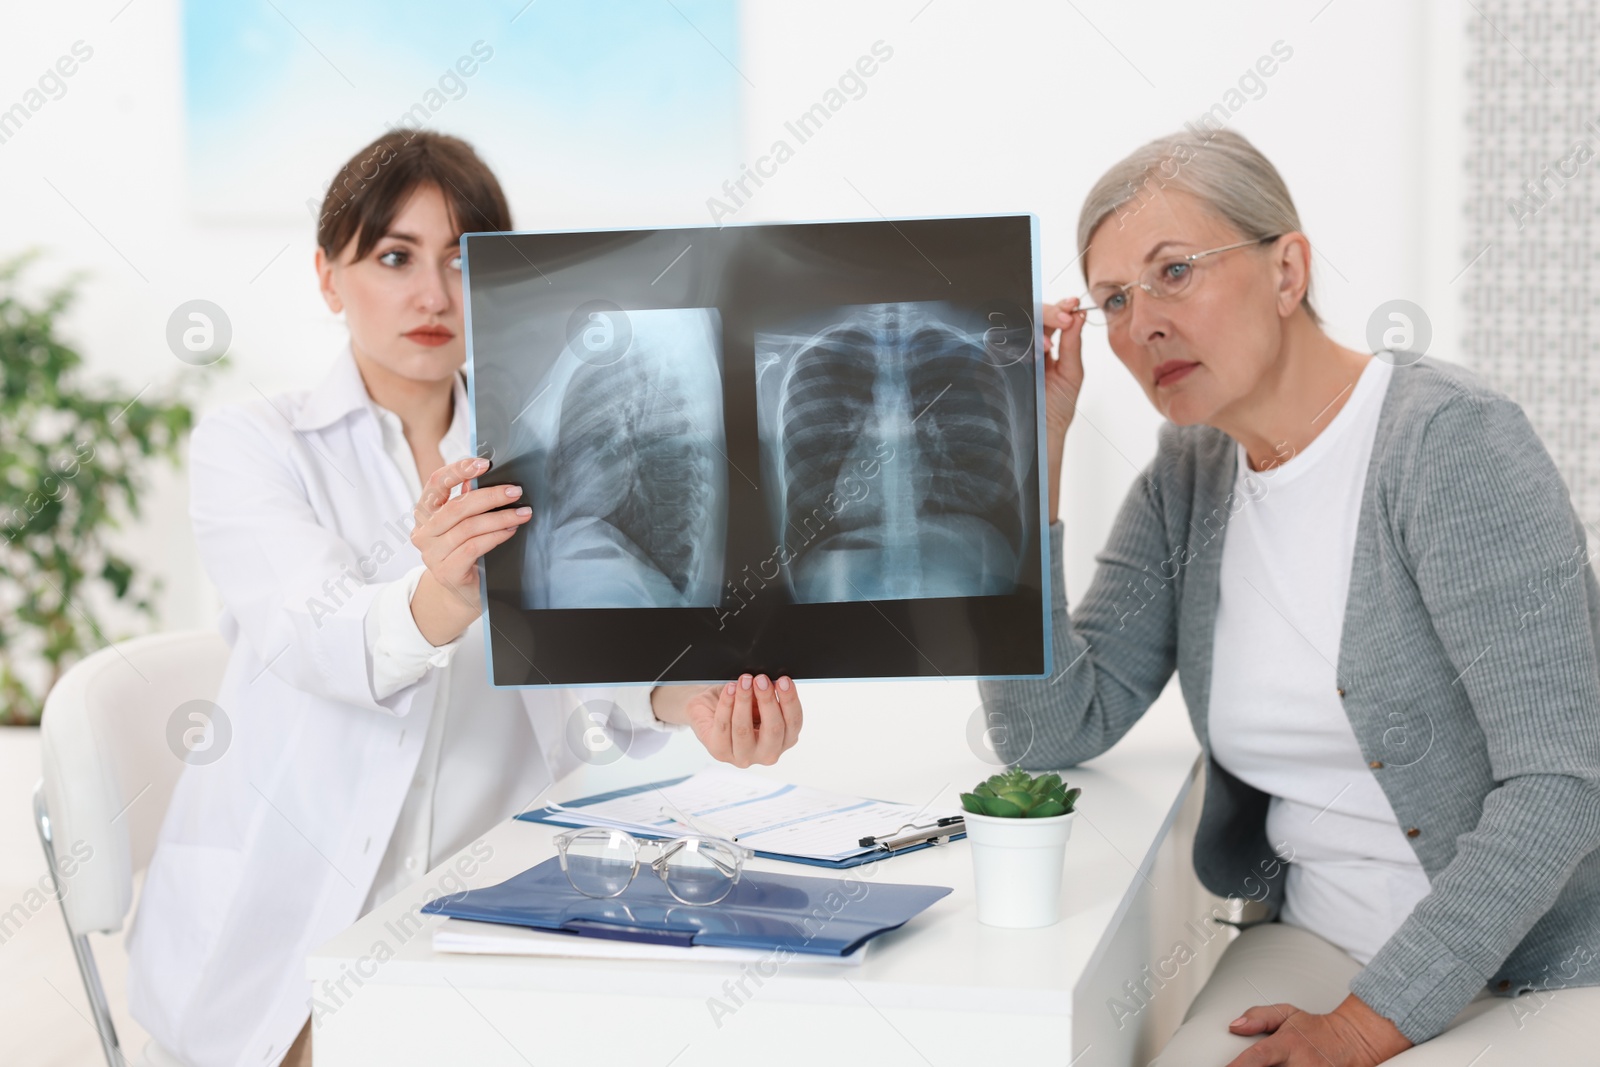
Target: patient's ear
x=1294, y=272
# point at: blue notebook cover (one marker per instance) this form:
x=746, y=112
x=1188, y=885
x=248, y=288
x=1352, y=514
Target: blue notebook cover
x=544, y=815
x=802, y=913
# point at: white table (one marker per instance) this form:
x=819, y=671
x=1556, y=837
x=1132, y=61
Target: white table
x=943, y=989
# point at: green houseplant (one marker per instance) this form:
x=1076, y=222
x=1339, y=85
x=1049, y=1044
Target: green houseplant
x=73, y=460
x=1016, y=794
x=1018, y=826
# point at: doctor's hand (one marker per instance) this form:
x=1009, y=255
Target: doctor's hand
x=1063, y=378
x=1351, y=1035
x=452, y=535
x=750, y=720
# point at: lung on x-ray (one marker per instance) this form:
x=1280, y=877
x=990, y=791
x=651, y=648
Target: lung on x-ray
x=810, y=449
x=630, y=482
x=892, y=435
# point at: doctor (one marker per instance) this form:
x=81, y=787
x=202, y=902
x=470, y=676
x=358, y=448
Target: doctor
x=360, y=742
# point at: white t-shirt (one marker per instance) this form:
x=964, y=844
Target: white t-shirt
x=1276, y=719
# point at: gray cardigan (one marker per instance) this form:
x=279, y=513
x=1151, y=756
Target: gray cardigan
x=1469, y=666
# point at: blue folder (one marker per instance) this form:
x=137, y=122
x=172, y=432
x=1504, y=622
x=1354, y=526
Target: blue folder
x=866, y=856
x=801, y=913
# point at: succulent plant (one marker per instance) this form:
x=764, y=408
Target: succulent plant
x=1016, y=794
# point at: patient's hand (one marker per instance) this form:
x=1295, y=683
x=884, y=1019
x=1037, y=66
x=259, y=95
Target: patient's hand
x=1351, y=1035
x=751, y=720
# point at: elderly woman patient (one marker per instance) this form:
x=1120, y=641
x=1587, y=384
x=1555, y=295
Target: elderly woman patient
x=1373, y=586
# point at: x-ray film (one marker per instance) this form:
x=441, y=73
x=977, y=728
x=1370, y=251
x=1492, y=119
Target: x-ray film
x=891, y=435
x=811, y=449
x=624, y=439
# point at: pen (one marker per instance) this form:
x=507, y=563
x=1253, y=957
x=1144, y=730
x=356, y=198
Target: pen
x=942, y=828
x=699, y=826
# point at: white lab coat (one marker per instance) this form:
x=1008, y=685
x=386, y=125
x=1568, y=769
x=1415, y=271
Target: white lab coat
x=301, y=519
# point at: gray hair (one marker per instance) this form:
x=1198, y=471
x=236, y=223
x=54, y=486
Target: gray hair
x=1219, y=167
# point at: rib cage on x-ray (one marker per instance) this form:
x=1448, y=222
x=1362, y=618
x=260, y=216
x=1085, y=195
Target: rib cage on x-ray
x=631, y=505
x=903, y=391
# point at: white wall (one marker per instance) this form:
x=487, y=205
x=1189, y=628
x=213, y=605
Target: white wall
x=984, y=106
x=1004, y=106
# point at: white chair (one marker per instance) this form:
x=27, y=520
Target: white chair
x=109, y=771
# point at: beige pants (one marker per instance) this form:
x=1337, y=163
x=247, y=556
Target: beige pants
x=299, y=1054
x=1276, y=963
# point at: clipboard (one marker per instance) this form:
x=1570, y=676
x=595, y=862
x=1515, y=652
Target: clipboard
x=869, y=854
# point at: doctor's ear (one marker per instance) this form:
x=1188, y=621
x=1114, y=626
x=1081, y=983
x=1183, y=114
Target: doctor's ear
x=330, y=294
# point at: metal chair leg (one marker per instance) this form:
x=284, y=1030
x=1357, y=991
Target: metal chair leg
x=98, y=1004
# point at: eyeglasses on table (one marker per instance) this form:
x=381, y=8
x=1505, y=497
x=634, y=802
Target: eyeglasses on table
x=696, y=869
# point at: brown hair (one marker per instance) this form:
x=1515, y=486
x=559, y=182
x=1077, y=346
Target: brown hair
x=373, y=186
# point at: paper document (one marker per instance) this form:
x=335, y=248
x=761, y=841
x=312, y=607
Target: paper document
x=499, y=939
x=761, y=812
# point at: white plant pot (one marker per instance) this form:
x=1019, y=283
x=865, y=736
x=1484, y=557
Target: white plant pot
x=1016, y=866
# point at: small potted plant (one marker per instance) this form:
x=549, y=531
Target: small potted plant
x=1018, y=826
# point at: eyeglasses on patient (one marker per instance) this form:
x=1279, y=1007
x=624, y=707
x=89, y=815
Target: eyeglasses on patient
x=1165, y=279
x=696, y=869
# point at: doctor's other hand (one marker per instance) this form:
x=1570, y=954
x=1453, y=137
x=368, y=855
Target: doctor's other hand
x=452, y=535
x=752, y=719
x=1062, y=323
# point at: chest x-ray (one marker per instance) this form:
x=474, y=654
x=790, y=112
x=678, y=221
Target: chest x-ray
x=806, y=449
x=914, y=394
x=629, y=480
